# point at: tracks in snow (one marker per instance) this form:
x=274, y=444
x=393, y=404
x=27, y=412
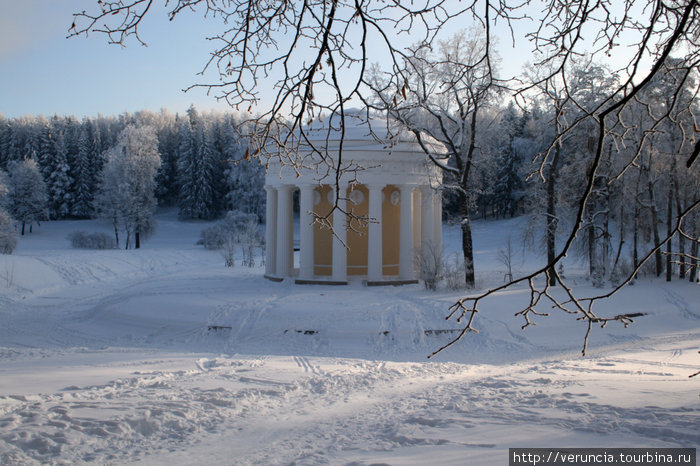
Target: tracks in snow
x=315, y=410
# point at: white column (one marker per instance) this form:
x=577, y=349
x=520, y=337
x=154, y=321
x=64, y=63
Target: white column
x=306, y=232
x=340, y=235
x=270, y=230
x=427, y=218
x=374, y=239
x=437, y=222
x=284, y=227
x=406, y=234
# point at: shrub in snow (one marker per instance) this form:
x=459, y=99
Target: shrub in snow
x=453, y=273
x=8, y=235
x=430, y=265
x=237, y=228
x=214, y=237
x=84, y=240
x=228, y=250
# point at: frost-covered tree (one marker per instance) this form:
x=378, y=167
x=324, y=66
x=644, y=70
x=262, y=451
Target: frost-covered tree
x=84, y=183
x=127, y=184
x=197, y=168
x=59, y=182
x=246, y=180
x=8, y=234
x=514, y=149
x=27, y=193
x=168, y=146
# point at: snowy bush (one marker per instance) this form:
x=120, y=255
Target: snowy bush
x=8, y=235
x=430, y=265
x=237, y=228
x=84, y=240
x=214, y=237
x=228, y=250
x=453, y=273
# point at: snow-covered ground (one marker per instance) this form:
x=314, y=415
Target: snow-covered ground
x=108, y=357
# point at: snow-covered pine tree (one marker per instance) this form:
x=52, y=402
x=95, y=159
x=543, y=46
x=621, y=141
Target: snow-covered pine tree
x=4, y=126
x=31, y=139
x=84, y=183
x=509, y=189
x=47, y=148
x=15, y=141
x=168, y=146
x=59, y=181
x=196, y=168
x=246, y=181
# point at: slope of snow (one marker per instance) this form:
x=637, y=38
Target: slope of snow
x=127, y=357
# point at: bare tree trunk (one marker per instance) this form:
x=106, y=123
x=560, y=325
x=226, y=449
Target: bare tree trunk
x=622, y=238
x=592, y=262
x=693, y=273
x=669, y=229
x=137, y=238
x=681, y=238
x=116, y=231
x=467, y=246
x=635, y=224
x=551, y=228
x=655, y=226
x=635, y=239
x=23, y=223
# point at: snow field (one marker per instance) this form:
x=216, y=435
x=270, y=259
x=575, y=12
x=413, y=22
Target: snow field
x=107, y=357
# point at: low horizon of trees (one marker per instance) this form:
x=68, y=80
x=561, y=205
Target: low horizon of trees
x=204, y=173
x=202, y=159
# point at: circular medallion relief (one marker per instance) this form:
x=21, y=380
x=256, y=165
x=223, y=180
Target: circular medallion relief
x=395, y=197
x=317, y=197
x=356, y=196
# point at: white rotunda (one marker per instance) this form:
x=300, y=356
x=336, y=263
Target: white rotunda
x=389, y=181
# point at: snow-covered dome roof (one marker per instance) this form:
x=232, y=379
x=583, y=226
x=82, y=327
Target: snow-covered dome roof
x=365, y=132
x=373, y=149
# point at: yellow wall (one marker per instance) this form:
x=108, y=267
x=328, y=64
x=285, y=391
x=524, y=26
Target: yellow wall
x=323, y=237
x=357, y=234
x=391, y=230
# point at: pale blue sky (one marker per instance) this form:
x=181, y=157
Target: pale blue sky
x=42, y=72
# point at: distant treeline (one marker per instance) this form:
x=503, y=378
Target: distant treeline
x=201, y=171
